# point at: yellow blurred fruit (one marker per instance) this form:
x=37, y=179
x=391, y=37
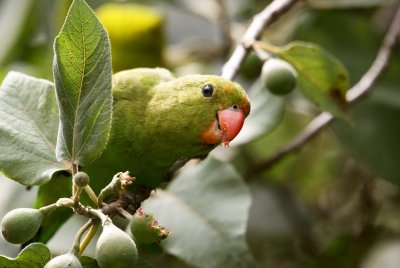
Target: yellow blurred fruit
x=136, y=34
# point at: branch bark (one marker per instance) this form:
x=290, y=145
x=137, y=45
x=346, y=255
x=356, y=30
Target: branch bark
x=363, y=86
x=266, y=17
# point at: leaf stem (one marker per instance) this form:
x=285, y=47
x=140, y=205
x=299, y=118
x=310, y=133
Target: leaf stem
x=74, y=169
x=266, y=46
x=74, y=187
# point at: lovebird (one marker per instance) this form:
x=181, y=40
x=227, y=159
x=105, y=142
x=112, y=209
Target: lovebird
x=159, y=119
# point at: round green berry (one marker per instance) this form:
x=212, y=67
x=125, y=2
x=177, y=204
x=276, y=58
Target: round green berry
x=280, y=77
x=81, y=179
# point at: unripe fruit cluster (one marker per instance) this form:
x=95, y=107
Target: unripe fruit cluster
x=114, y=248
x=279, y=77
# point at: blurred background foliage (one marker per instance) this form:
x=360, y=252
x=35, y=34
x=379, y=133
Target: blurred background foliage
x=334, y=203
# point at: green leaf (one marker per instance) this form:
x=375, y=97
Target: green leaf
x=266, y=112
x=206, y=209
x=88, y=262
x=82, y=73
x=35, y=255
x=322, y=78
x=28, y=129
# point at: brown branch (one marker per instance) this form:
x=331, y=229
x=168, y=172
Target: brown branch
x=360, y=89
x=266, y=17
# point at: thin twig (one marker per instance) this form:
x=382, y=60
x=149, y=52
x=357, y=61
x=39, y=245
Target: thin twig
x=77, y=240
x=360, y=89
x=381, y=61
x=125, y=213
x=89, y=236
x=266, y=17
x=91, y=194
x=77, y=193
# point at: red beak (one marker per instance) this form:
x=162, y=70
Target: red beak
x=230, y=123
x=225, y=128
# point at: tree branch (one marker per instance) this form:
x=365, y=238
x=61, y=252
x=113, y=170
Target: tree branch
x=266, y=17
x=360, y=89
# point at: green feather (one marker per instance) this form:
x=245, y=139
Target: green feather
x=157, y=120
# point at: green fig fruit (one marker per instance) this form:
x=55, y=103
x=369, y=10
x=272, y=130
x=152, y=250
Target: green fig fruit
x=67, y=260
x=20, y=225
x=81, y=179
x=146, y=229
x=280, y=77
x=115, y=248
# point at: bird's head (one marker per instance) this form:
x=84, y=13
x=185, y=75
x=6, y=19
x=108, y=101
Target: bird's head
x=208, y=107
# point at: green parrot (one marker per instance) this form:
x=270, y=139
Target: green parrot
x=159, y=119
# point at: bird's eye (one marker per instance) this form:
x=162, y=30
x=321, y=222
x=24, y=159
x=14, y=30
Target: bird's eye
x=207, y=90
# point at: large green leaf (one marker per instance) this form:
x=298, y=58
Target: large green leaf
x=206, y=208
x=35, y=255
x=82, y=73
x=322, y=78
x=28, y=129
